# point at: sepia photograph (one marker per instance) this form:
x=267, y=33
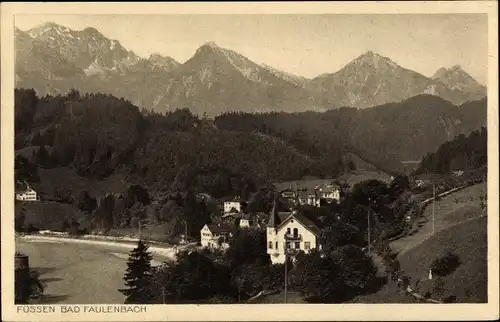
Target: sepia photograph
x=246, y=159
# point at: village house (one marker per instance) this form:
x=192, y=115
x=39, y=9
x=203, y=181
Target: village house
x=215, y=236
x=288, y=194
x=246, y=221
x=329, y=192
x=27, y=194
x=234, y=206
x=312, y=200
x=291, y=232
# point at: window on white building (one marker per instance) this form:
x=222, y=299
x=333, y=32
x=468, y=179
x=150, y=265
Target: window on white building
x=288, y=245
x=270, y=245
x=307, y=245
x=297, y=245
x=288, y=231
x=276, y=245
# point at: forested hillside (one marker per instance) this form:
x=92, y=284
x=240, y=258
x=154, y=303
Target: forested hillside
x=98, y=135
x=386, y=134
x=462, y=153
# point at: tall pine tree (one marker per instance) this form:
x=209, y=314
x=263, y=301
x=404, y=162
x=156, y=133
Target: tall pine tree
x=138, y=276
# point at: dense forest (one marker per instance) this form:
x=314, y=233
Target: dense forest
x=98, y=134
x=385, y=134
x=462, y=153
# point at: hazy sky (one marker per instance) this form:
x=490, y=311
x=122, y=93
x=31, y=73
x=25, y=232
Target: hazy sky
x=305, y=45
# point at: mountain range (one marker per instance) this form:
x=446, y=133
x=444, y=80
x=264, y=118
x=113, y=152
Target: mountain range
x=52, y=59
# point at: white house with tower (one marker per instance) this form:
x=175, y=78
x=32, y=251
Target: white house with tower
x=290, y=231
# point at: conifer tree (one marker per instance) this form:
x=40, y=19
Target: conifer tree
x=138, y=276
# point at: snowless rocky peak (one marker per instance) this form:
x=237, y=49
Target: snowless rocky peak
x=212, y=45
x=374, y=59
x=455, y=73
x=48, y=27
x=209, y=47
x=458, y=79
x=158, y=60
x=456, y=69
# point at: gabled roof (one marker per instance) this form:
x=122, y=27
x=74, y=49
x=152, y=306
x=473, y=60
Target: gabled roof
x=233, y=210
x=23, y=190
x=219, y=228
x=306, y=222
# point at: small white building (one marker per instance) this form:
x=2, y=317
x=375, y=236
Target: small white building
x=233, y=206
x=215, y=236
x=27, y=194
x=288, y=194
x=328, y=192
x=291, y=232
x=245, y=222
x=312, y=200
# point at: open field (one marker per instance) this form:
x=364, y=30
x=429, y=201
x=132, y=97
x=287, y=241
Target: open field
x=468, y=282
x=460, y=228
x=469, y=241
x=65, y=177
x=50, y=215
x=452, y=209
x=349, y=178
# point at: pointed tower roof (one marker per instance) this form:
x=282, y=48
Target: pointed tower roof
x=274, y=219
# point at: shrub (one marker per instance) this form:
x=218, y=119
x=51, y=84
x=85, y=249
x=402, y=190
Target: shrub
x=445, y=264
